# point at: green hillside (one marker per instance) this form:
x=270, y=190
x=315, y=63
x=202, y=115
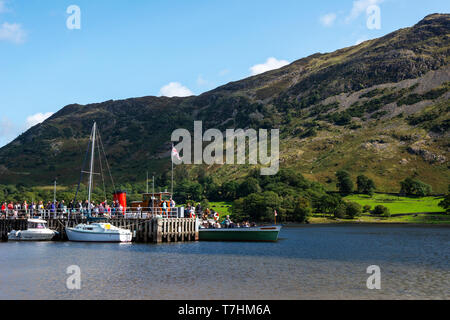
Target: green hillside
x=380, y=109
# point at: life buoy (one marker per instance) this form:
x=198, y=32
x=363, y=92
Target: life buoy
x=192, y=215
x=216, y=216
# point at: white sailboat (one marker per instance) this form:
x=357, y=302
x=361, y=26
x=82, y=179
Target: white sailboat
x=97, y=232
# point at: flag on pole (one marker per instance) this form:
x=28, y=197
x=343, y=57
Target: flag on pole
x=175, y=153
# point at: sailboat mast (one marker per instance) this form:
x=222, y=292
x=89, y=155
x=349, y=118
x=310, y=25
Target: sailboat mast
x=91, y=173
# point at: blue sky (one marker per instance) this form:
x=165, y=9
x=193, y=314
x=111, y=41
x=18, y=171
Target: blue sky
x=137, y=48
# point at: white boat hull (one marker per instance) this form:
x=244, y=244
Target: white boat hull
x=82, y=236
x=31, y=235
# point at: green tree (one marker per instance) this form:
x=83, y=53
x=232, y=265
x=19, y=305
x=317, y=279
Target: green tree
x=365, y=185
x=302, y=210
x=415, y=187
x=327, y=203
x=446, y=202
x=229, y=190
x=353, y=210
x=260, y=206
x=344, y=184
x=340, y=211
x=249, y=186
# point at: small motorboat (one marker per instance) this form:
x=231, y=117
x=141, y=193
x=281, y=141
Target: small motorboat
x=264, y=234
x=37, y=231
x=98, y=232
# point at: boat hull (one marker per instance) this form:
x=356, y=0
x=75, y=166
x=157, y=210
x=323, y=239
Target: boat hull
x=28, y=235
x=259, y=234
x=78, y=236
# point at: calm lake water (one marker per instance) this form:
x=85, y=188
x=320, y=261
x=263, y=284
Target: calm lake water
x=313, y=262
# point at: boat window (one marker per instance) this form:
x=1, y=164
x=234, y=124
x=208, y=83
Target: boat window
x=40, y=226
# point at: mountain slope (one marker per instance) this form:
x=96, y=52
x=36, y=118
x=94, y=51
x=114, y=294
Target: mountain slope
x=380, y=108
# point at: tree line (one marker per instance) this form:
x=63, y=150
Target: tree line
x=253, y=197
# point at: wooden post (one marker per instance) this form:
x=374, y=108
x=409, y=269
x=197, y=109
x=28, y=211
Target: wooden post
x=146, y=232
x=169, y=229
x=159, y=226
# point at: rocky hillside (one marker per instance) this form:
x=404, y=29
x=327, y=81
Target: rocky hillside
x=380, y=108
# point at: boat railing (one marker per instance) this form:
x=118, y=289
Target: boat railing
x=113, y=213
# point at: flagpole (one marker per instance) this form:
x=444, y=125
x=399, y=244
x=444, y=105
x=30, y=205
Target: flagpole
x=171, y=153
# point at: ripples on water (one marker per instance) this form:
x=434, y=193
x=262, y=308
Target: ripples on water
x=314, y=262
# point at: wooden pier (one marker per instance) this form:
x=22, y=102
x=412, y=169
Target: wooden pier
x=155, y=230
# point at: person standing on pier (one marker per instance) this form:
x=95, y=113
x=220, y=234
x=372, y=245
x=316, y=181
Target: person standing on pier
x=4, y=207
x=164, y=207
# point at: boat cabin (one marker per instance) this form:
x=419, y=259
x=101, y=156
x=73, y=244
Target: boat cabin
x=37, y=224
x=153, y=200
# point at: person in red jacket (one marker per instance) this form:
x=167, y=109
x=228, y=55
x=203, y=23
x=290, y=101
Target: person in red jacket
x=4, y=209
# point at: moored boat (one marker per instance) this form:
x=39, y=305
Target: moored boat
x=37, y=230
x=263, y=234
x=98, y=232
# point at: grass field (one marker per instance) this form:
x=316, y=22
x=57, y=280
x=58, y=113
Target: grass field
x=399, y=205
x=221, y=208
x=366, y=218
x=403, y=209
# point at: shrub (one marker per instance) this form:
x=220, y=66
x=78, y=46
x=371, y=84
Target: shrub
x=340, y=211
x=367, y=208
x=381, y=211
x=353, y=210
x=446, y=202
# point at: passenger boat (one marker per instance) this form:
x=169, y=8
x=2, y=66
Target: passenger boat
x=264, y=234
x=98, y=232
x=37, y=231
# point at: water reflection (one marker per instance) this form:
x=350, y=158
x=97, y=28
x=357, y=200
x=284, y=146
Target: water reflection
x=327, y=262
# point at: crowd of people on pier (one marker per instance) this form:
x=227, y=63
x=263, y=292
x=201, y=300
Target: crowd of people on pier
x=210, y=219
x=51, y=208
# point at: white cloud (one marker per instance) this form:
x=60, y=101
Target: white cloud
x=12, y=32
x=175, y=89
x=224, y=72
x=36, y=119
x=360, y=6
x=270, y=64
x=328, y=19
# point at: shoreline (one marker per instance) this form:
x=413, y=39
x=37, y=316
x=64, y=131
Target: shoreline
x=363, y=223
